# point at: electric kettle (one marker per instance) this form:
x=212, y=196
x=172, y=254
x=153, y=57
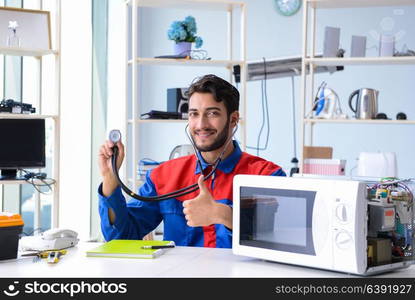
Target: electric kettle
x=366, y=104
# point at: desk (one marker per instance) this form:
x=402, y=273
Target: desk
x=177, y=262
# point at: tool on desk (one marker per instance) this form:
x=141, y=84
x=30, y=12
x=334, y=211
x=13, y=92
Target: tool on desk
x=158, y=247
x=53, y=256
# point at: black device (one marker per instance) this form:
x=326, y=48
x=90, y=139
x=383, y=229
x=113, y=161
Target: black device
x=237, y=73
x=158, y=114
x=11, y=106
x=178, y=100
x=22, y=146
x=381, y=116
x=401, y=116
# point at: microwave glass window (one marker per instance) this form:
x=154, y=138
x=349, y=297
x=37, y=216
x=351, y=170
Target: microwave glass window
x=277, y=219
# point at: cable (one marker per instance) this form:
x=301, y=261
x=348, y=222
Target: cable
x=263, y=117
x=265, y=113
x=30, y=178
x=293, y=106
x=294, y=160
x=33, y=231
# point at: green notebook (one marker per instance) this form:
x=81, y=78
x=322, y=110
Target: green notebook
x=129, y=249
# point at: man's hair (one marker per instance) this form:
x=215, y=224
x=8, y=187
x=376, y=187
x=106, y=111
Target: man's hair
x=220, y=89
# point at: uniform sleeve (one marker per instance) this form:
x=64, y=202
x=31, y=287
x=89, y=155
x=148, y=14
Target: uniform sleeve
x=279, y=172
x=133, y=219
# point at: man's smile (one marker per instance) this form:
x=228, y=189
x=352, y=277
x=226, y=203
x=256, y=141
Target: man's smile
x=204, y=134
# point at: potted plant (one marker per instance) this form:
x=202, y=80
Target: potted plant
x=184, y=34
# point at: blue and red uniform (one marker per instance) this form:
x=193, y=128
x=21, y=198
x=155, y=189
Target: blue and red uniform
x=134, y=219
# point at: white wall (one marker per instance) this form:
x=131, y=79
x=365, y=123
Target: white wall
x=272, y=35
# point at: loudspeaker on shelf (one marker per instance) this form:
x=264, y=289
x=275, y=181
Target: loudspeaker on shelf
x=331, y=41
x=177, y=100
x=358, y=48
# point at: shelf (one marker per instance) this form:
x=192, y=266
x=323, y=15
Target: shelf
x=358, y=3
x=26, y=116
x=186, y=62
x=21, y=181
x=394, y=60
x=26, y=52
x=158, y=121
x=130, y=121
x=190, y=4
x=354, y=121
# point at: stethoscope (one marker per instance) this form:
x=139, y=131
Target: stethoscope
x=115, y=137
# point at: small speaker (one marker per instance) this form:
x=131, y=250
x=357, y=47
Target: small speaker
x=177, y=100
x=358, y=48
x=386, y=45
x=331, y=41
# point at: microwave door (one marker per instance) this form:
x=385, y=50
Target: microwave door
x=277, y=219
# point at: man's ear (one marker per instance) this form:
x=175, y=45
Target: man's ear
x=234, y=118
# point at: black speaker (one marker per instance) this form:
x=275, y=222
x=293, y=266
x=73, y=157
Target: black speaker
x=177, y=100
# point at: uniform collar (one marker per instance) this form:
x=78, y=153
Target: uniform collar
x=227, y=165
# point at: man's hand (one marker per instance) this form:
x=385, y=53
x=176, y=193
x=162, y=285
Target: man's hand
x=204, y=210
x=109, y=182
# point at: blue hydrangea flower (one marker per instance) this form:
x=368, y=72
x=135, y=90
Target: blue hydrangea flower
x=199, y=42
x=184, y=31
x=176, y=32
x=190, y=23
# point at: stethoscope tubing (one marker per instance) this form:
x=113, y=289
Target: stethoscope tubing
x=178, y=193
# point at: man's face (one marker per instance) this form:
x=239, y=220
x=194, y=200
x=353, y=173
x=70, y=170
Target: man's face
x=208, y=122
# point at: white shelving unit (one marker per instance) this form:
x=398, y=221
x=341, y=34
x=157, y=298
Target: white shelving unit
x=310, y=60
x=38, y=54
x=135, y=62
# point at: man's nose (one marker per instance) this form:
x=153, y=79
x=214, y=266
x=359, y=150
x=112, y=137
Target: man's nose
x=202, y=122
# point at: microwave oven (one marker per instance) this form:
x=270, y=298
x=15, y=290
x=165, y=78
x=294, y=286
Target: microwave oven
x=339, y=225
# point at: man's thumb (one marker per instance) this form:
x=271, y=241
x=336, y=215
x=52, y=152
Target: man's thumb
x=201, y=184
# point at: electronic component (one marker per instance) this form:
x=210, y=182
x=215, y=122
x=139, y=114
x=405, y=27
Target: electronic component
x=381, y=217
x=380, y=251
x=14, y=107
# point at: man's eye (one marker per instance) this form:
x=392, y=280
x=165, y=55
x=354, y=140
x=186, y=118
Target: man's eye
x=192, y=114
x=213, y=114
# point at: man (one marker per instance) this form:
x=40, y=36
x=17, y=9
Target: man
x=203, y=217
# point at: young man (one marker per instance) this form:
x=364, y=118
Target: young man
x=204, y=217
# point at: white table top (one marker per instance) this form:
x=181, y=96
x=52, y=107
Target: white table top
x=176, y=262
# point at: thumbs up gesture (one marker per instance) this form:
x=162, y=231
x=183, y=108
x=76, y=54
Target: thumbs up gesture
x=200, y=211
